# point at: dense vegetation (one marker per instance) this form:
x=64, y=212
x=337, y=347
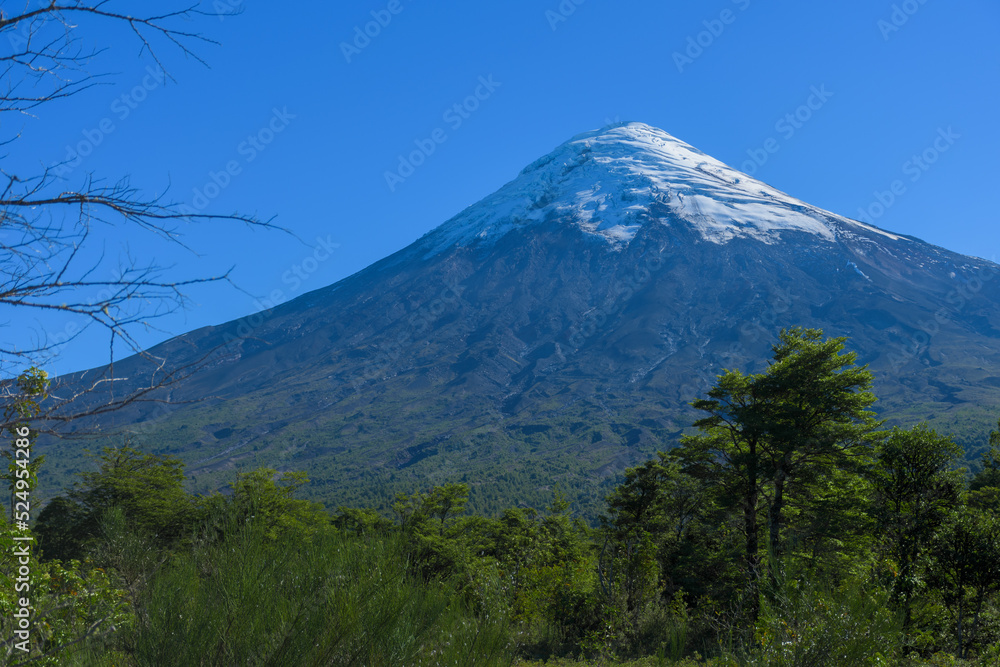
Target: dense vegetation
x=792, y=529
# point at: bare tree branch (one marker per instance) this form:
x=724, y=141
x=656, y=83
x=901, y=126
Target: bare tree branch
x=53, y=254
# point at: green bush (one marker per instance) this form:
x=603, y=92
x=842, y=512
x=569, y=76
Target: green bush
x=805, y=626
x=329, y=600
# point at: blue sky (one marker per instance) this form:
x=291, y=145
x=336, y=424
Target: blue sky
x=301, y=117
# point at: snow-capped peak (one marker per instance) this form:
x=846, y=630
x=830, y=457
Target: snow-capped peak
x=607, y=181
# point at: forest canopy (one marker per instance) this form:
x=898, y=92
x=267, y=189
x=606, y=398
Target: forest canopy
x=791, y=528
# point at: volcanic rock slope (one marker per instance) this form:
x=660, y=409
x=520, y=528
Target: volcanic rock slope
x=554, y=332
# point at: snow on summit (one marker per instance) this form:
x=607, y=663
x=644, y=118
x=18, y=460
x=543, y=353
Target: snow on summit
x=607, y=180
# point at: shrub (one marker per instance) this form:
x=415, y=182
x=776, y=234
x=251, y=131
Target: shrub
x=330, y=600
x=805, y=626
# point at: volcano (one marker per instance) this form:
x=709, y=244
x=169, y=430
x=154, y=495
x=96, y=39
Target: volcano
x=555, y=332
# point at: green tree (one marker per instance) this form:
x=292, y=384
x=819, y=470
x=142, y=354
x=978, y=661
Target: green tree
x=816, y=415
x=966, y=568
x=446, y=502
x=439, y=505
x=729, y=455
x=680, y=514
x=542, y=558
x=655, y=497
x=429, y=520
x=147, y=488
x=60, y=529
x=360, y=521
x=31, y=388
x=830, y=533
x=70, y=604
x=567, y=540
x=915, y=486
x=804, y=416
x=265, y=497
x=985, y=484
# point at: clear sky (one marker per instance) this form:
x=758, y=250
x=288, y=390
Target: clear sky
x=835, y=103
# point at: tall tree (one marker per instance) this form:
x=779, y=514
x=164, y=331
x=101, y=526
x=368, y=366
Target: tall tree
x=654, y=498
x=729, y=454
x=984, y=487
x=916, y=486
x=807, y=412
x=658, y=501
x=816, y=414
x=966, y=559
x=989, y=471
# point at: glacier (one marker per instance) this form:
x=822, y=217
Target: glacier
x=610, y=181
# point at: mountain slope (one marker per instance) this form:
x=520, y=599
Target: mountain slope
x=554, y=332
x=608, y=181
